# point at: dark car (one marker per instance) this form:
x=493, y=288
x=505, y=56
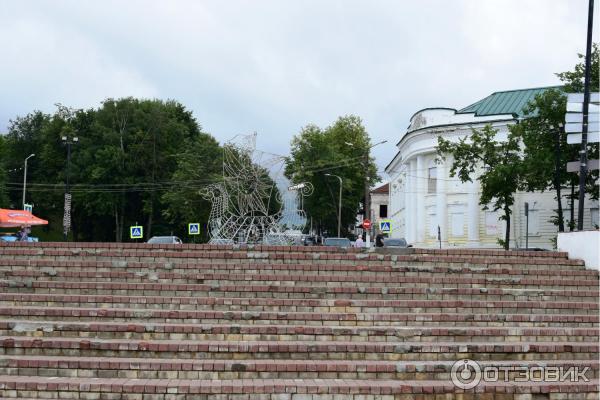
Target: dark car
x=396, y=243
x=309, y=241
x=337, y=242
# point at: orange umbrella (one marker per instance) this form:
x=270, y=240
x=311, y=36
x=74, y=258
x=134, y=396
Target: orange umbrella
x=16, y=218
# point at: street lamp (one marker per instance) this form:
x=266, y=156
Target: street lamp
x=340, y=206
x=67, y=216
x=368, y=192
x=25, y=179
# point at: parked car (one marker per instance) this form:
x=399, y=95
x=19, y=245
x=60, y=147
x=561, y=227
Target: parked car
x=395, y=243
x=309, y=241
x=337, y=242
x=165, y=240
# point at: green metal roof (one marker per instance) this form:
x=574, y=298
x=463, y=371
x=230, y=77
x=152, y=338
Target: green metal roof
x=508, y=102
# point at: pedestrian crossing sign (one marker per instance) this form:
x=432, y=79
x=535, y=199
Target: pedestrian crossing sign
x=385, y=226
x=194, y=228
x=136, y=232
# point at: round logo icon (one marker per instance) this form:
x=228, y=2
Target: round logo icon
x=465, y=374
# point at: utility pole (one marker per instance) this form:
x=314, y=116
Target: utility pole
x=340, y=206
x=67, y=215
x=368, y=193
x=25, y=178
x=583, y=168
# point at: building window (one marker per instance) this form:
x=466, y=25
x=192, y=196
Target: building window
x=534, y=222
x=458, y=224
x=432, y=177
x=383, y=211
x=491, y=223
x=594, y=217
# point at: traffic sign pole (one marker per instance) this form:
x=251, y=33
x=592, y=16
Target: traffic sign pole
x=586, y=104
x=367, y=227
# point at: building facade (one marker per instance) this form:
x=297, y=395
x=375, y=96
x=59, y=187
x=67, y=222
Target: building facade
x=424, y=200
x=380, y=197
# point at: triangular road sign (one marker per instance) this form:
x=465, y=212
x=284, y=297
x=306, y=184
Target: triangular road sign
x=194, y=229
x=136, y=232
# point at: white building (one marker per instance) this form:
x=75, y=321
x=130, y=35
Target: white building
x=380, y=198
x=423, y=196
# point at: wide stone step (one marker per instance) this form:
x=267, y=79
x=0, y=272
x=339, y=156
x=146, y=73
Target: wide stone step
x=278, y=252
x=238, y=332
x=157, y=368
x=298, y=291
x=308, y=318
x=295, y=305
x=184, y=265
x=325, y=350
x=277, y=389
x=308, y=280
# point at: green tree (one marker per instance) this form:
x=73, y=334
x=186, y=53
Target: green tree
x=339, y=149
x=574, y=80
x=495, y=163
x=128, y=155
x=199, y=165
x=4, y=202
x=546, y=152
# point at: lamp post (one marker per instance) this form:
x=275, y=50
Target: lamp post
x=67, y=216
x=368, y=192
x=25, y=178
x=340, y=206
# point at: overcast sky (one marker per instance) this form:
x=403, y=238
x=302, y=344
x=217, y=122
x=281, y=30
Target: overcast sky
x=276, y=66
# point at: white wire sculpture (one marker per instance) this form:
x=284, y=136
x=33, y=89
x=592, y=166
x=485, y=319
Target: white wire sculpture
x=253, y=204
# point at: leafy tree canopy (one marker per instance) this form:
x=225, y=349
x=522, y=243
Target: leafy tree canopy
x=340, y=149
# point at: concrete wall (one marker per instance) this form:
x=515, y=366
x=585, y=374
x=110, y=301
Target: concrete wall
x=584, y=245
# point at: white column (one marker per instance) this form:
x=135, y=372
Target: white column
x=420, y=199
x=413, y=201
x=406, y=189
x=441, y=202
x=473, y=209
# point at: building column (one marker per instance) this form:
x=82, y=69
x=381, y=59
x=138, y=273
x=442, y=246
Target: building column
x=441, y=203
x=420, y=199
x=413, y=201
x=406, y=189
x=473, y=210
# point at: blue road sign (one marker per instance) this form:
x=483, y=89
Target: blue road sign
x=385, y=226
x=136, y=232
x=194, y=228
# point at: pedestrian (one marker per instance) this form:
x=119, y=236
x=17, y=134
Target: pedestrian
x=359, y=242
x=23, y=234
x=379, y=240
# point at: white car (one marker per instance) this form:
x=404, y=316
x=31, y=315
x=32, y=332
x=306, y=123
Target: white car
x=165, y=240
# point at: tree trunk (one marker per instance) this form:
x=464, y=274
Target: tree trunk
x=557, y=183
x=149, y=226
x=121, y=220
x=561, y=222
x=116, y=211
x=507, y=233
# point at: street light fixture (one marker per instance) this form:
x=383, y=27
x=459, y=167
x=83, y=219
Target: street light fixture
x=340, y=206
x=67, y=216
x=368, y=192
x=25, y=178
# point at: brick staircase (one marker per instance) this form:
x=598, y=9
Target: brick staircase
x=136, y=321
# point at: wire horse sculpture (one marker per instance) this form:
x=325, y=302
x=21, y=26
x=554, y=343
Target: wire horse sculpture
x=253, y=204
